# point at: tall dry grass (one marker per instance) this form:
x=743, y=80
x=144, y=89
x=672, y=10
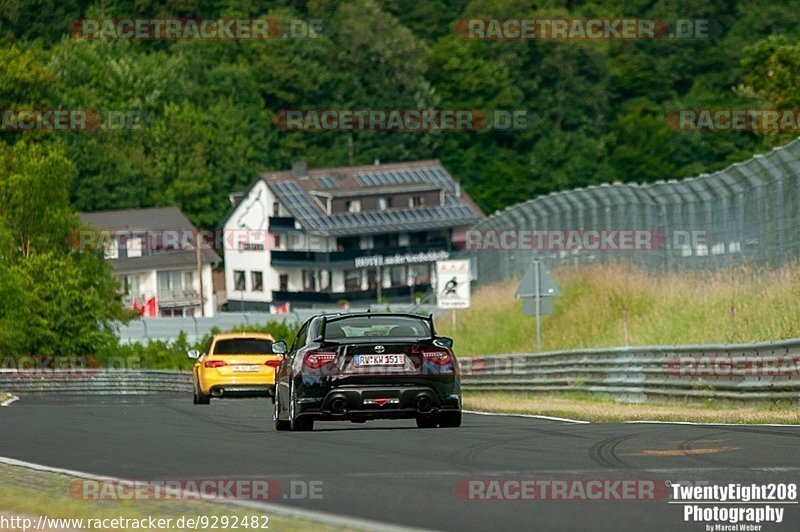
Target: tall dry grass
x=600, y=303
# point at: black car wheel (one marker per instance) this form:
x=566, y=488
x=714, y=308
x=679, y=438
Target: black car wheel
x=279, y=423
x=427, y=422
x=200, y=398
x=298, y=423
x=450, y=419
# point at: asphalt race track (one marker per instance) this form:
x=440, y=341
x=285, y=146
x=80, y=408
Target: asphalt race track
x=392, y=472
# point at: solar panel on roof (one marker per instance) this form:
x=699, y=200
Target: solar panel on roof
x=311, y=216
x=325, y=182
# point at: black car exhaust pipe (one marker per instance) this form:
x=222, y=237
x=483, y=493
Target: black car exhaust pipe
x=338, y=405
x=216, y=393
x=423, y=403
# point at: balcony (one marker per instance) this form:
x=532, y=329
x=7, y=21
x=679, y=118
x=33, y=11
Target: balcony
x=178, y=298
x=346, y=258
x=281, y=223
x=332, y=298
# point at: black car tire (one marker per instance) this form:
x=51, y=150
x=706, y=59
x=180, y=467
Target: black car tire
x=450, y=419
x=280, y=424
x=427, y=422
x=298, y=423
x=200, y=398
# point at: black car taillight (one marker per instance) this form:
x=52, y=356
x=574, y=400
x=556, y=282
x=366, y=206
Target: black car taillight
x=442, y=358
x=317, y=359
x=438, y=355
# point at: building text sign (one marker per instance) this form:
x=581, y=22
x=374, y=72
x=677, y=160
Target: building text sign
x=393, y=260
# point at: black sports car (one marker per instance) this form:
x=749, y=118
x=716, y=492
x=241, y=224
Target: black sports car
x=364, y=366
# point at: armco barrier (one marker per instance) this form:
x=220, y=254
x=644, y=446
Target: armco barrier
x=745, y=372
x=96, y=381
x=740, y=372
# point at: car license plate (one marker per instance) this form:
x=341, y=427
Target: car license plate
x=380, y=360
x=245, y=369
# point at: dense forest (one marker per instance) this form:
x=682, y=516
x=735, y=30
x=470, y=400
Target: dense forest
x=596, y=108
x=597, y=112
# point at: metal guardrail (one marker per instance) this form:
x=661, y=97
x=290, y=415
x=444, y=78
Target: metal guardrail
x=89, y=381
x=768, y=371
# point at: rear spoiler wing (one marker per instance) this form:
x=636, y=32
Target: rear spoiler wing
x=326, y=318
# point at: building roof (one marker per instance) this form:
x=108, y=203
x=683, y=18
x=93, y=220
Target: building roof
x=154, y=219
x=297, y=193
x=149, y=220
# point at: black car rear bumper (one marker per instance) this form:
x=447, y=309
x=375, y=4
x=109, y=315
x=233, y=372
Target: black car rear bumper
x=347, y=403
x=242, y=390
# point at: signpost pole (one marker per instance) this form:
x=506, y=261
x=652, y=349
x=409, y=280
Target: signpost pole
x=538, y=297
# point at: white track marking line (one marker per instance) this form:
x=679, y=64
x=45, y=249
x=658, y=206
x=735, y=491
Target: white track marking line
x=549, y=418
x=278, y=509
x=713, y=424
x=9, y=400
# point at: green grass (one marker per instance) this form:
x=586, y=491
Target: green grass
x=603, y=409
x=31, y=493
x=730, y=306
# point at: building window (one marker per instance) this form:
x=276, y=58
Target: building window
x=276, y=209
x=353, y=205
x=277, y=241
x=283, y=282
x=417, y=238
x=131, y=285
x=111, y=249
x=325, y=281
x=416, y=201
x=347, y=243
x=352, y=280
x=239, y=280
x=309, y=281
x=420, y=273
x=398, y=275
x=175, y=282
x=386, y=241
x=384, y=203
x=257, y=280
x=134, y=247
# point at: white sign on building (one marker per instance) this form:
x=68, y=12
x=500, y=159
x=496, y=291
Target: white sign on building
x=452, y=289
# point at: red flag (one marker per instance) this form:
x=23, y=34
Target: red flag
x=150, y=309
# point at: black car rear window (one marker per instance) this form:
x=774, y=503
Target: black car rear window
x=243, y=346
x=377, y=327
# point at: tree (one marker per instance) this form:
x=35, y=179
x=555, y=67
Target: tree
x=34, y=197
x=54, y=300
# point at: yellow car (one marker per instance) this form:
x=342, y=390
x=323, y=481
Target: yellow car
x=236, y=365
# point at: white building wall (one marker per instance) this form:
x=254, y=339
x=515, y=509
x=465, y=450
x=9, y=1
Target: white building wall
x=249, y=224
